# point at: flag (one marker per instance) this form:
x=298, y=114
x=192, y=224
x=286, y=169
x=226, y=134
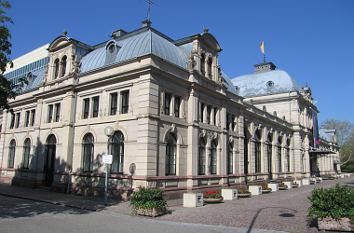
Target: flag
x=261, y=46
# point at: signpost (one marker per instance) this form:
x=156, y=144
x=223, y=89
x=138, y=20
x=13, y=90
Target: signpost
x=107, y=159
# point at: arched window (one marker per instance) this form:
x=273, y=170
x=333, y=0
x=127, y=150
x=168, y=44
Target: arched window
x=230, y=160
x=49, y=166
x=210, y=63
x=213, y=158
x=56, y=68
x=202, y=64
x=63, y=66
x=87, y=152
x=171, y=155
x=116, y=148
x=269, y=154
x=201, y=157
x=12, y=151
x=26, y=153
x=280, y=162
x=257, y=151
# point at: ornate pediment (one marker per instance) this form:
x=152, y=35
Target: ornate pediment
x=59, y=42
x=210, y=41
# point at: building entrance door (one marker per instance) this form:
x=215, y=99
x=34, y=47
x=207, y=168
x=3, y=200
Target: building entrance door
x=49, y=165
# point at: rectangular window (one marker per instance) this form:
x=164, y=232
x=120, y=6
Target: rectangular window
x=233, y=122
x=33, y=116
x=17, y=123
x=27, y=116
x=86, y=108
x=227, y=121
x=57, y=112
x=50, y=113
x=208, y=114
x=114, y=102
x=177, y=105
x=12, y=124
x=125, y=102
x=167, y=104
x=95, y=107
x=202, y=106
x=215, y=114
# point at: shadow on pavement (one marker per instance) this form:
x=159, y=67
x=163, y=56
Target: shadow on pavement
x=11, y=207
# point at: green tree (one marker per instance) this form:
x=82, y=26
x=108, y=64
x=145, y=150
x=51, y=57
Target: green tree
x=345, y=139
x=6, y=87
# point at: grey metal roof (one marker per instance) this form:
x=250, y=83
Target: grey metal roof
x=264, y=83
x=228, y=84
x=139, y=43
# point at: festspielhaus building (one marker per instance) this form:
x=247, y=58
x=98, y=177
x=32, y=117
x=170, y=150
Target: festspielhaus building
x=166, y=112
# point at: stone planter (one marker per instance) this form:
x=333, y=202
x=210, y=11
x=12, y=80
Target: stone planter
x=295, y=185
x=154, y=212
x=268, y=190
x=213, y=200
x=330, y=224
x=283, y=187
x=192, y=200
x=243, y=195
x=229, y=194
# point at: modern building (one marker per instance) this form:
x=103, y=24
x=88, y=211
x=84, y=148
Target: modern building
x=179, y=123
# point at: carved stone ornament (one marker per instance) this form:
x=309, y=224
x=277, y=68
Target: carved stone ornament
x=202, y=133
x=212, y=135
x=173, y=128
x=231, y=139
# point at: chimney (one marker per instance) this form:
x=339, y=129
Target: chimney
x=118, y=33
x=264, y=67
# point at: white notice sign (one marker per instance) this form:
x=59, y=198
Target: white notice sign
x=107, y=159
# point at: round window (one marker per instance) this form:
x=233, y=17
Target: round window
x=270, y=84
x=112, y=48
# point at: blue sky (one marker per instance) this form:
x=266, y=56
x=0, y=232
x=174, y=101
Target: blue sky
x=312, y=40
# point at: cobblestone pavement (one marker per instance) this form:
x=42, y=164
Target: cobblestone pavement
x=282, y=210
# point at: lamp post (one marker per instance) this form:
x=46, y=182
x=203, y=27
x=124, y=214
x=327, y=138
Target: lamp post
x=107, y=159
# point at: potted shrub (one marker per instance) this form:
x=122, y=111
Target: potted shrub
x=243, y=192
x=295, y=185
x=265, y=188
x=212, y=196
x=148, y=202
x=333, y=208
x=282, y=186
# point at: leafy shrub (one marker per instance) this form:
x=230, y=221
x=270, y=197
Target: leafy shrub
x=337, y=202
x=148, y=198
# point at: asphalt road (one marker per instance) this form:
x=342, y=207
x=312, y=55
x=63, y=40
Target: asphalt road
x=19, y=215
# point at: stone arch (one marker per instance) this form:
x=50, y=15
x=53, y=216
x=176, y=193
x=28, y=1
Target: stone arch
x=91, y=131
x=55, y=135
x=118, y=127
x=174, y=131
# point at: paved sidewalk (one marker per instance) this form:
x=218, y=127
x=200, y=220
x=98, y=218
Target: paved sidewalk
x=280, y=211
x=45, y=196
x=283, y=210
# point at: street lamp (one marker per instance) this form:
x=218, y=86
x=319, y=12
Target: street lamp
x=107, y=159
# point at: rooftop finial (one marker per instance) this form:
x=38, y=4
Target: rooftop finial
x=148, y=15
x=65, y=32
x=205, y=29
